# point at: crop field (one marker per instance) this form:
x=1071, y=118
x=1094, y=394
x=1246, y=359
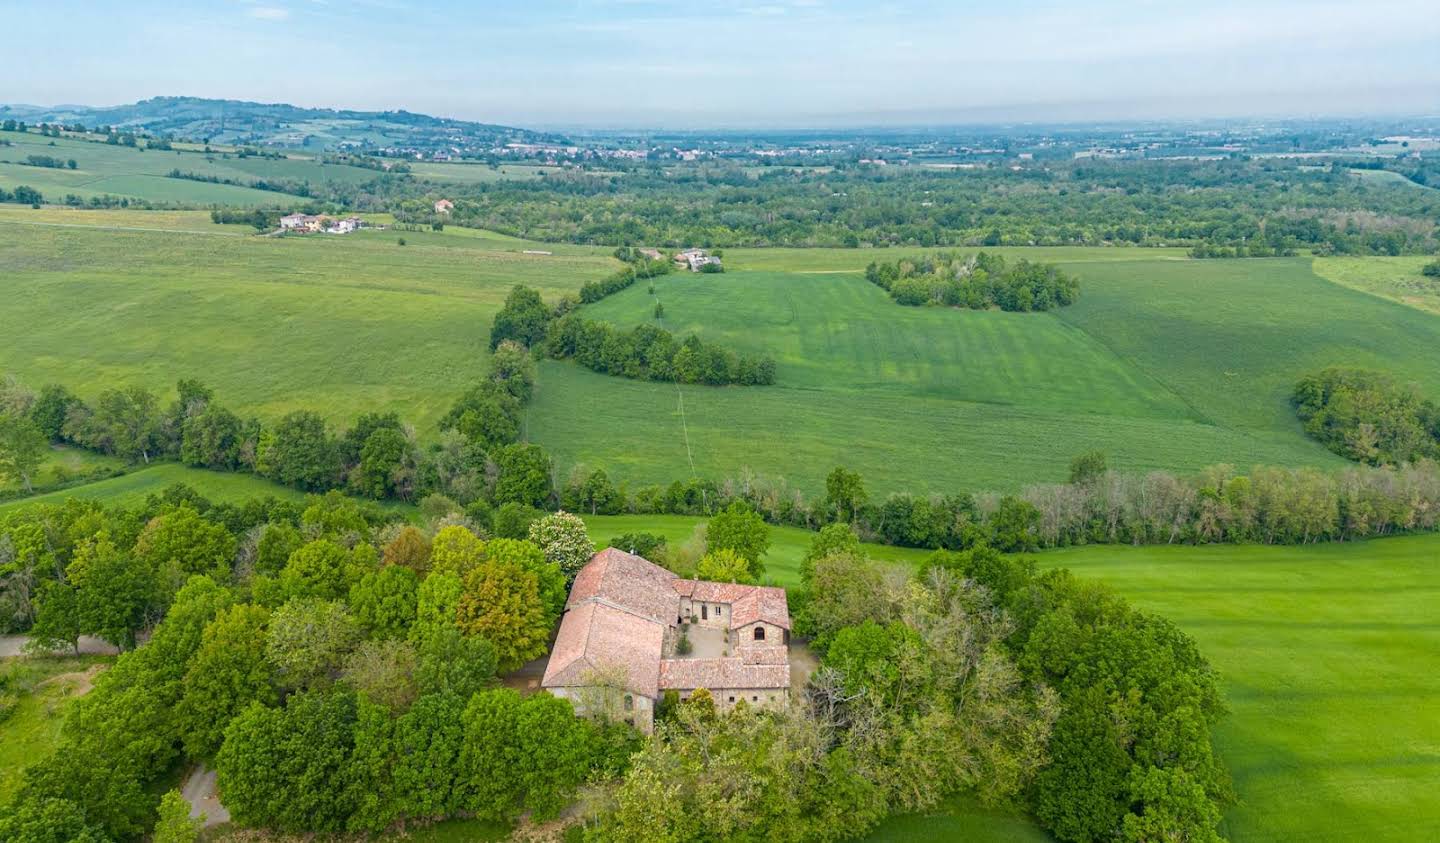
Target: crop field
x=341, y=325
x=1329, y=658
x=1398, y=278
x=1164, y=362
x=102, y=169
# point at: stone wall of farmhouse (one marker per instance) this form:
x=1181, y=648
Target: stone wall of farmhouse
x=705, y=613
x=727, y=698
x=774, y=636
x=636, y=709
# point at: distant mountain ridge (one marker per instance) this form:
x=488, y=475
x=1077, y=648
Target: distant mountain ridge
x=281, y=124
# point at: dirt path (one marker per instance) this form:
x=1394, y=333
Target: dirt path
x=80, y=682
x=199, y=790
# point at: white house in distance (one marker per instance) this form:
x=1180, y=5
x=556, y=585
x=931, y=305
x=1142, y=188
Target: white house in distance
x=622, y=629
x=696, y=259
x=309, y=223
x=444, y=206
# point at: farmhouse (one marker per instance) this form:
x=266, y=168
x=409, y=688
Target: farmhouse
x=696, y=259
x=444, y=206
x=619, y=645
x=302, y=222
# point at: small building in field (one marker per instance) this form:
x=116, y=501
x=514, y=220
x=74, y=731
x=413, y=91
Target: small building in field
x=652, y=254
x=345, y=226
x=304, y=222
x=444, y=206
x=696, y=259
x=620, y=648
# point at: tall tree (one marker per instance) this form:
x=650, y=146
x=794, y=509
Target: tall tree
x=22, y=449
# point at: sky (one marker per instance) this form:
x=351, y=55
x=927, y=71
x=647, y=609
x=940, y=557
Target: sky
x=739, y=63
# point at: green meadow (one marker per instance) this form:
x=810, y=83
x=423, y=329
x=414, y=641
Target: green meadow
x=105, y=170
x=134, y=487
x=1164, y=362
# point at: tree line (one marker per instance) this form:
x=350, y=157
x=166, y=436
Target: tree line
x=637, y=266
x=645, y=352
x=1367, y=417
x=977, y=282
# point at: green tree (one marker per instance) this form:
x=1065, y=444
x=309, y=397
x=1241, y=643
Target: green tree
x=57, y=618
x=524, y=319
x=486, y=414
x=832, y=540
x=114, y=589
x=383, y=601
x=512, y=367
x=51, y=409
x=214, y=438
x=1087, y=468
x=409, y=549
x=308, y=640
x=525, y=475
x=741, y=529
x=455, y=664
x=22, y=449
x=724, y=565
x=383, y=673
x=174, y=824
x=325, y=570
x=501, y=602
x=48, y=820
x=181, y=543
x=563, y=539
x=286, y=768
x=229, y=671
x=844, y=493
x=299, y=451
x=383, y=459
x=437, y=604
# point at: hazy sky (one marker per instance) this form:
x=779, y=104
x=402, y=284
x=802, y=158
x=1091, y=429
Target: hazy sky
x=738, y=62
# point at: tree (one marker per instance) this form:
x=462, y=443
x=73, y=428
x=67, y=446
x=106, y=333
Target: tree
x=832, y=540
x=741, y=529
x=455, y=550
x=127, y=423
x=451, y=663
x=1087, y=468
x=51, y=409
x=113, y=590
x=524, y=475
x=383, y=601
x=501, y=602
x=57, y=618
x=385, y=454
x=724, y=565
x=175, y=824
x=844, y=493
x=323, y=569
x=486, y=414
x=563, y=539
x=48, y=820
x=409, y=549
x=383, y=673
x=213, y=437
x=181, y=543
x=549, y=579
x=308, y=640
x=524, y=319
x=437, y=603
x=521, y=754
x=286, y=768
x=228, y=672
x=22, y=449
x=513, y=369
x=277, y=542
x=300, y=452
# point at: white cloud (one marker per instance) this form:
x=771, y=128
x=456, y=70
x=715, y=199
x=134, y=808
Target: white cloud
x=268, y=12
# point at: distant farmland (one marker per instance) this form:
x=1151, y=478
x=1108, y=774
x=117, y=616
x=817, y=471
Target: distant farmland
x=1164, y=362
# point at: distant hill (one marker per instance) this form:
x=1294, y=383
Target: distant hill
x=278, y=124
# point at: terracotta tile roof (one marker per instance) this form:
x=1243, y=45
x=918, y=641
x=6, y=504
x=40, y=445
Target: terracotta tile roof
x=762, y=603
x=627, y=582
x=715, y=592
x=595, y=636
x=715, y=674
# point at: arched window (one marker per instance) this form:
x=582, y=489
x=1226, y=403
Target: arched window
x=759, y=633
x=629, y=703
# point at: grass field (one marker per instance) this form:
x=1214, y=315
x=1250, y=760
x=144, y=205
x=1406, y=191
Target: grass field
x=104, y=170
x=132, y=488
x=1329, y=658
x=31, y=730
x=1398, y=279
x=1164, y=362
x=64, y=464
x=341, y=325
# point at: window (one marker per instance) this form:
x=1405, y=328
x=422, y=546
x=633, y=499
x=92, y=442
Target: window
x=755, y=698
x=732, y=699
x=629, y=703
x=759, y=633
x=705, y=612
